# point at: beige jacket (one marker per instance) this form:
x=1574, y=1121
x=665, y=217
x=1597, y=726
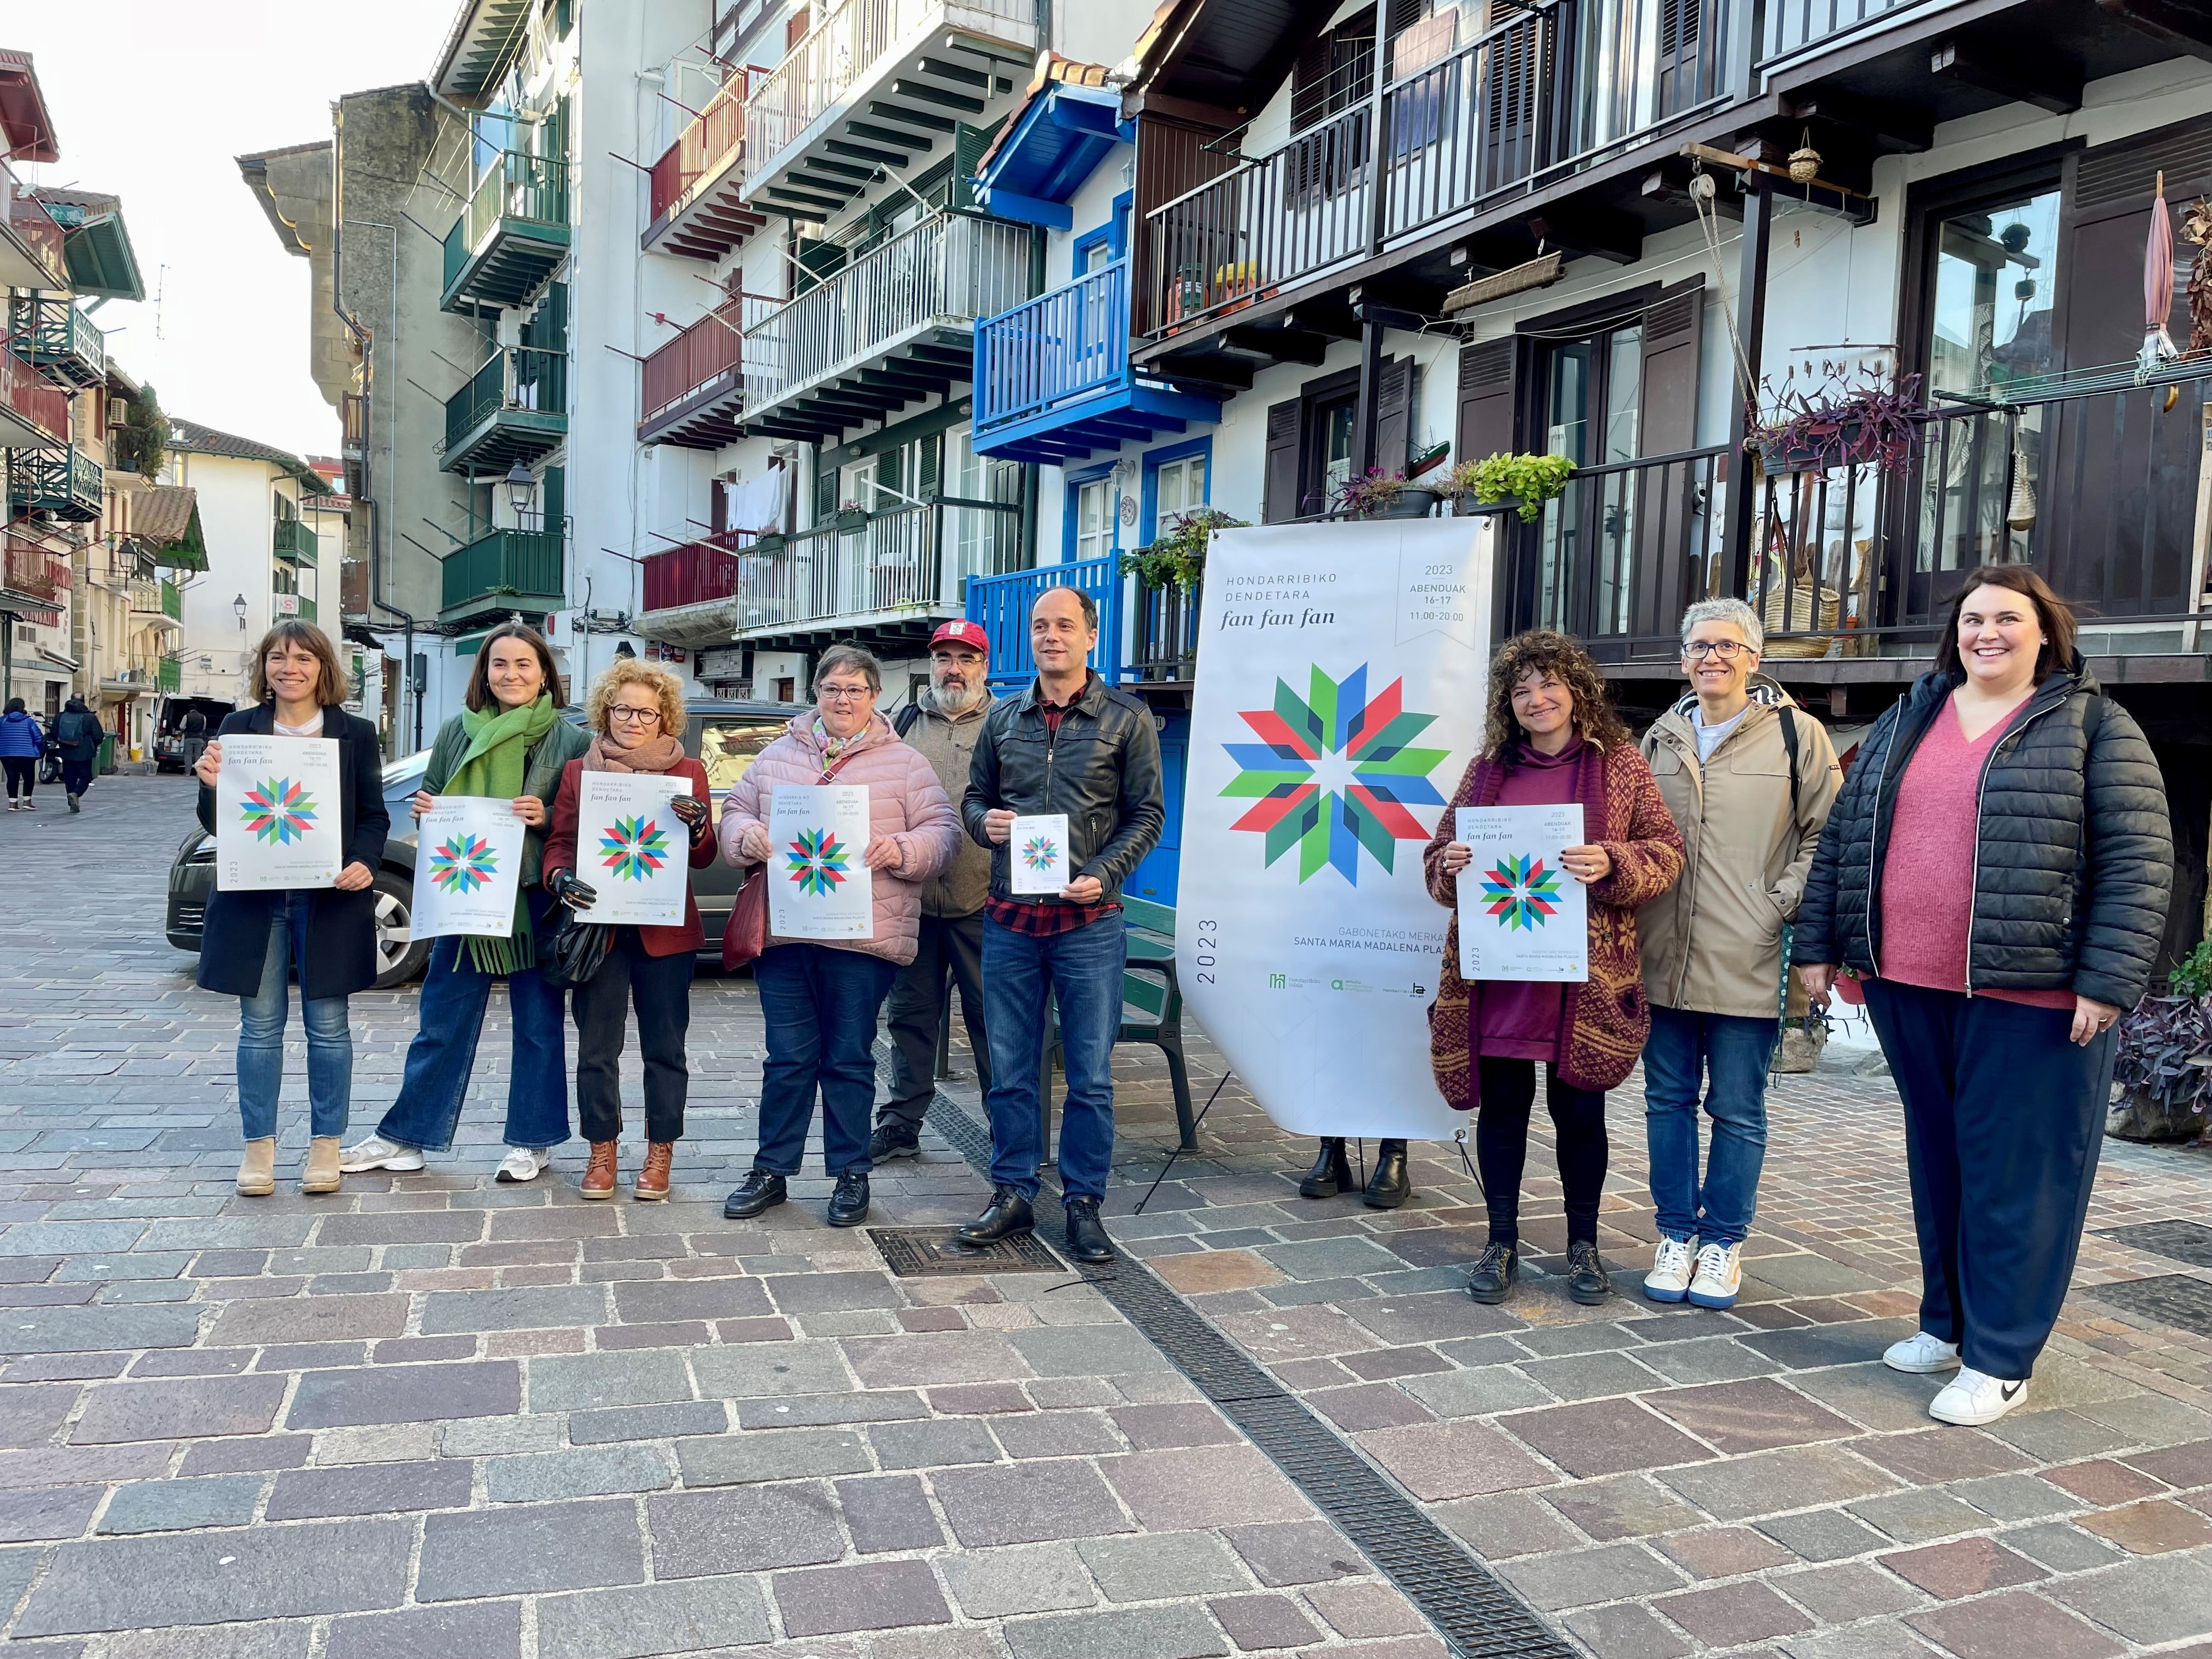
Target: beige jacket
x=1712, y=943
x=948, y=743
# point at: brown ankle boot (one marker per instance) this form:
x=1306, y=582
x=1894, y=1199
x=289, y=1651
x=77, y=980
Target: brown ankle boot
x=599, y=1173
x=257, y=1170
x=652, y=1179
x=322, y=1174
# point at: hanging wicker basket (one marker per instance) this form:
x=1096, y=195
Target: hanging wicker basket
x=1793, y=636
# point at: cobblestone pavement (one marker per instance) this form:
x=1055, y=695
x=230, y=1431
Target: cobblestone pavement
x=433, y=1416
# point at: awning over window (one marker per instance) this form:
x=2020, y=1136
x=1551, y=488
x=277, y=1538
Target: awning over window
x=167, y=519
x=1052, y=143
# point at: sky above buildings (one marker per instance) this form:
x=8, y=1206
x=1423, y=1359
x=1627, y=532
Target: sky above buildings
x=153, y=101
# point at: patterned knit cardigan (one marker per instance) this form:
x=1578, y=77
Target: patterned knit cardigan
x=1605, y=1020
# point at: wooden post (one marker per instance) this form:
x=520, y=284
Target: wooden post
x=1751, y=325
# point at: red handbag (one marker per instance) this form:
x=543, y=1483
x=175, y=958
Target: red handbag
x=746, y=935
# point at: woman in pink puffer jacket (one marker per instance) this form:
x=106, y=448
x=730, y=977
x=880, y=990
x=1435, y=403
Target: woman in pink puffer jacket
x=820, y=998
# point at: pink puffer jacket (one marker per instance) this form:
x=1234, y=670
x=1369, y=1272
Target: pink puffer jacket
x=905, y=803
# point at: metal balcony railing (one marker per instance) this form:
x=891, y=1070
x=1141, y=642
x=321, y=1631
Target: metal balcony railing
x=1793, y=25
x=946, y=272
x=33, y=400
x=916, y=558
x=711, y=139
x=66, y=483
x=696, y=572
x=510, y=234
x=521, y=379
x=1065, y=345
x=703, y=356
x=295, y=541
x=29, y=569
x=845, y=45
x=169, y=674
x=522, y=567
x=1547, y=92
x=30, y=238
x=353, y=415
x=48, y=332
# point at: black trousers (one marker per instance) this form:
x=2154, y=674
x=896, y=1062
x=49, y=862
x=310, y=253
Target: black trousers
x=1501, y=1145
x=23, y=772
x=659, y=989
x=2004, y=1121
x=949, y=945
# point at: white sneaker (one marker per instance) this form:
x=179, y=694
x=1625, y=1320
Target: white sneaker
x=377, y=1153
x=1720, y=1276
x=525, y=1163
x=1971, y=1398
x=1920, y=1354
x=1669, y=1276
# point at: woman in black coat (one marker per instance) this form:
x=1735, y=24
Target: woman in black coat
x=1996, y=871
x=253, y=940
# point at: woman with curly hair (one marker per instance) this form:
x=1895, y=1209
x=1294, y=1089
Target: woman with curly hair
x=1550, y=738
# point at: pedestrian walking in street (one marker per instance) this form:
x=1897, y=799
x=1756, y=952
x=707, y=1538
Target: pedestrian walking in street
x=636, y=711
x=820, y=999
x=1551, y=738
x=510, y=744
x=21, y=743
x=253, y=943
x=192, y=732
x=78, y=735
x=1068, y=743
x=1996, y=871
x=943, y=722
x=1749, y=778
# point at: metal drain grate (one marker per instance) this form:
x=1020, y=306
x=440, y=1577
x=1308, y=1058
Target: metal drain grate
x=1480, y=1616
x=935, y=1253
x=2176, y=1299
x=2184, y=1240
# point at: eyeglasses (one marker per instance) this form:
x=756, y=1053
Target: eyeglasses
x=1726, y=650
x=616, y=711
x=844, y=693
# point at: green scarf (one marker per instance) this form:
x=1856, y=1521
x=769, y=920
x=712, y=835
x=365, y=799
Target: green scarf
x=500, y=742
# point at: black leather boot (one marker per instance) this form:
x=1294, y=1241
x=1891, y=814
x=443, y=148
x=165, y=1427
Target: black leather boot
x=1009, y=1214
x=1390, y=1185
x=1331, y=1173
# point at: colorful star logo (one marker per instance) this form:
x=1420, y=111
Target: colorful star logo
x=633, y=848
x=463, y=863
x=1335, y=772
x=1040, y=852
x=1520, y=893
x=279, y=811
x=819, y=862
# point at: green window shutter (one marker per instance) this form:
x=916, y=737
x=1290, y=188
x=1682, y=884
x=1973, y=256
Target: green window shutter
x=553, y=493
x=968, y=144
x=929, y=467
x=825, y=490
x=547, y=329
x=820, y=261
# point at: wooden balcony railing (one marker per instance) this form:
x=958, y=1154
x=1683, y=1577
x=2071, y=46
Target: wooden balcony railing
x=1065, y=344
x=696, y=572
x=521, y=567
x=33, y=398
x=1002, y=603
x=708, y=351
x=717, y=133
x=30, y=569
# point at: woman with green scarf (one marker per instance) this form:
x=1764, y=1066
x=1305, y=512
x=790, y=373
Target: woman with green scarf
x=511, y=745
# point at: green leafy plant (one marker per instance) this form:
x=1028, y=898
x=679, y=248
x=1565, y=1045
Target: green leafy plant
x=1531, y=479
x=1176, y=558
x=142, y=443
x=2192, y=974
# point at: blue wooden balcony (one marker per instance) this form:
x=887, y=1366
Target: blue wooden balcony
x=1054, y=381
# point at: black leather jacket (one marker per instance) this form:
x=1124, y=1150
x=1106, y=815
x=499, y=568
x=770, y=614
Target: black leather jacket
x=1102, y=770
x=2073, y=857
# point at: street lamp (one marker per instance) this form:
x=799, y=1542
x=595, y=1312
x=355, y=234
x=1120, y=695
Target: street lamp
x=237, y=609
x=521, y=490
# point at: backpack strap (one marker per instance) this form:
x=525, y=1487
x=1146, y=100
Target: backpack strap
x=907, y=718
x=1790, y=747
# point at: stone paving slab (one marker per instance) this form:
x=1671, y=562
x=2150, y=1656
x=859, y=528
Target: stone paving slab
x=434, y=1415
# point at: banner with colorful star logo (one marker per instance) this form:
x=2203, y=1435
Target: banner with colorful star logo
x=819, y=885
x=468, y=865
x=277, y=813
x=631, y=849
x=1521, y=914
x=1338, y=700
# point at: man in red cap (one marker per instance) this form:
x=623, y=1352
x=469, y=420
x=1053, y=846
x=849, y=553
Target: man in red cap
x=943, y=723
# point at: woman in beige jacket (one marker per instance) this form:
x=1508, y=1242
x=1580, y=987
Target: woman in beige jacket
x=1749, y=778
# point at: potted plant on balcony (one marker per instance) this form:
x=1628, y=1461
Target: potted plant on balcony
x=1176, y=558
x=1523, y=483
x=1869, y=419
x=2164, y=1067
x=1380, y=494
x=851, y=518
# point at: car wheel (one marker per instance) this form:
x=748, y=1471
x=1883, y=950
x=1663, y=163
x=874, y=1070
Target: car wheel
x=399, y=954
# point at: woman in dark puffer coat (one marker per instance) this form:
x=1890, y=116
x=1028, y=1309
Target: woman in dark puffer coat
x=1996, y=870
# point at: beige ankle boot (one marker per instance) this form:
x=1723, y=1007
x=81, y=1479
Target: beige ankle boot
x=322, y=1175
x=257, y=1170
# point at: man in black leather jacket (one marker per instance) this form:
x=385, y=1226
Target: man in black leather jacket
x=1070, y=743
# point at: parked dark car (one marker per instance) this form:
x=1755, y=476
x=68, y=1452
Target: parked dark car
x=169, y=742
x=723, y=736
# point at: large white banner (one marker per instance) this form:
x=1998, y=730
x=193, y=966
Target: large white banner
x=277, y=813
x=468, y=865
x=1338, y=698
x=631, y=849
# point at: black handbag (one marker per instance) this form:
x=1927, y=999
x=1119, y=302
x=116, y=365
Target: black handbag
x=575, y=952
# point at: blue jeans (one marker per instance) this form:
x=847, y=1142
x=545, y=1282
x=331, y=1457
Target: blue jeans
x=261, y=1036
x=443, y=1054
x=1683, y=1052
x=820, y=1006
x=1081, y=971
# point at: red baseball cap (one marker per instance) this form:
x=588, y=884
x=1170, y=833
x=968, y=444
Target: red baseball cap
x=962, y=633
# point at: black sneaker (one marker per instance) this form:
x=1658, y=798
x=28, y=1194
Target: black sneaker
x=759, y=1191
x=848, y=1205
x=1086, y=1236
x=1494, y=1272
x=893, y=1140
x=1586, y=1277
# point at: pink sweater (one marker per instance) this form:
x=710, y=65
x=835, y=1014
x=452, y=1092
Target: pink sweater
x=1927, y=874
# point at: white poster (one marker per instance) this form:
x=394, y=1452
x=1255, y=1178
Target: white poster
x=1521, y=914
x=1039, y=847
x=277, y=813
x=631, y=848
x=468, y=865
x=1339, y=699
x=818, y=888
